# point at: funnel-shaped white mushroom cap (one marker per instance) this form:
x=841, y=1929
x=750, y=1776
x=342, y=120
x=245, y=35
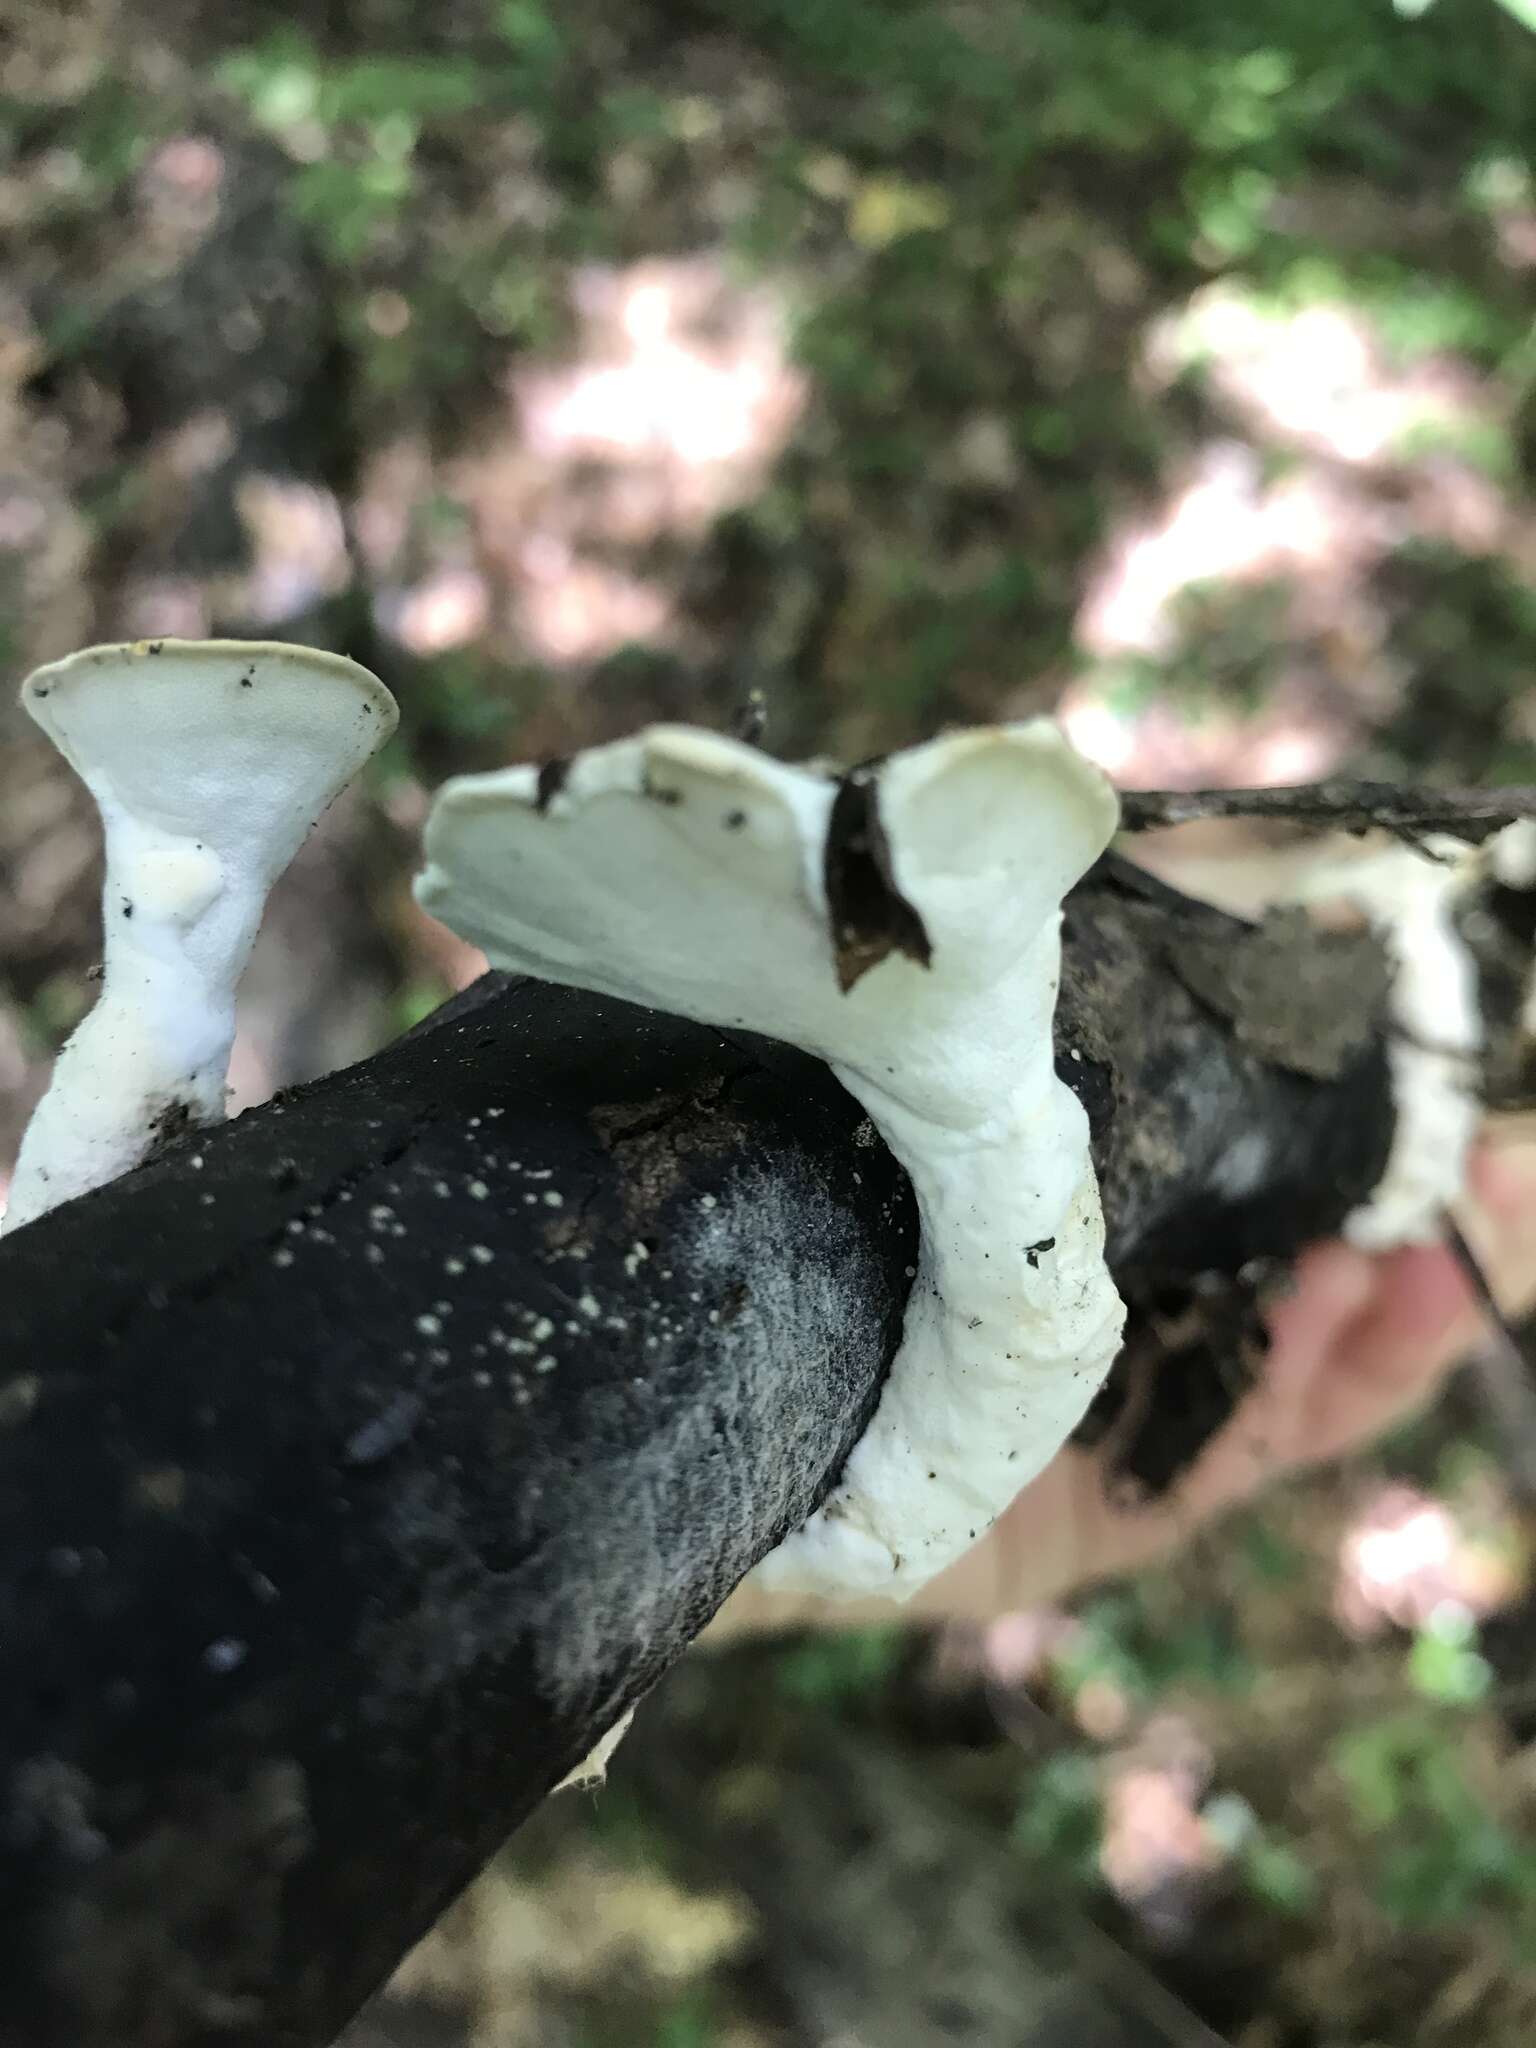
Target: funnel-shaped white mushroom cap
x=694, y=873
x=903, y=923
x=209, y=762
x=228, y=746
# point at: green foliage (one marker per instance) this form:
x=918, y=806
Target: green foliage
x=416, y=1002
x=532, y=33
x=1278, y=1874
x=689, y=2022
x=1059, y=1820
x=287, y=83
x=839, y=1670
x=1524, y=11
x=1485, y=445
x=1122, y=1639
x=1438, y=1851
x=1465, y=626
x=458, y=694
x=353, y=124
x=1270, y=1558
x=1227, y=639
x=977, y=213
x=1445, y=1664
x=101, y=137
x=1270, y=1865
x=618, y=1817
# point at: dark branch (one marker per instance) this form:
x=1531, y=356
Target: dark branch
x=360, y=1461
x=1471, y=814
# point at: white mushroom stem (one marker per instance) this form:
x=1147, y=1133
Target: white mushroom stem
x=209, y=762
x=902, y=924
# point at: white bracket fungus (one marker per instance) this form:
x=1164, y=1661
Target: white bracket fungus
x=1512, y=863
x=1412, y=897
x=903, y=924
x=209, y=762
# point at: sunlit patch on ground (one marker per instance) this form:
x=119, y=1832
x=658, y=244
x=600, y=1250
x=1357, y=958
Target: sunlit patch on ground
x=1156, y=1850
x=1321, y=378
x=450, y=607
x=298, y=547
x=1407, y=1556
x=1340, y=454
x=674, y=401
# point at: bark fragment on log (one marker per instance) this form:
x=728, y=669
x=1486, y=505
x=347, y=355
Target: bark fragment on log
x=361, y=1460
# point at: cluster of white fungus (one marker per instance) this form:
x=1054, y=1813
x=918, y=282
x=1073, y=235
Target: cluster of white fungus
x=901, y=922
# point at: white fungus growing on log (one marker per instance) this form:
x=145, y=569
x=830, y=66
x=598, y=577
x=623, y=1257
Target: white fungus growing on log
x=209, y=762
x=1412, y=897
x=903, y=924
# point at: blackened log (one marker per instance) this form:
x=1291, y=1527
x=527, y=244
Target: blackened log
x=362, y=1460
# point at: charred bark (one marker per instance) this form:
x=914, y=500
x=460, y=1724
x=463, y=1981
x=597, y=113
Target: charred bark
x=362, y=1460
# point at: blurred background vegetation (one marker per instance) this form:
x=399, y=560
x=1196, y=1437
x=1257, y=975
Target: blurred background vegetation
x=1166, y=364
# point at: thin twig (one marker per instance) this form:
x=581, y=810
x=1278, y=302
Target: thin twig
x=1473, y=814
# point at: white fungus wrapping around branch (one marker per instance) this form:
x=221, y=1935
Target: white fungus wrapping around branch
x=1437, y=1034
x=209, y=761
x=903, y=924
